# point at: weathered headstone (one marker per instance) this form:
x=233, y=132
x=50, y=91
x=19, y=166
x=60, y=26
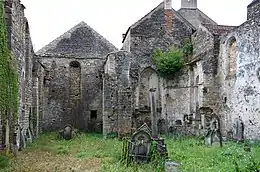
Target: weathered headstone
x=213, y=136
x=162, y=126
x=239, y=130
x=140, y=143
x=67, y=133
x=230, y=135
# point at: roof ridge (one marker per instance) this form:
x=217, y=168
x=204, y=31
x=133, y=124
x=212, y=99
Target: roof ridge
x=67, y=34
x=218, y=25
x=206, y=15
x=138, y=21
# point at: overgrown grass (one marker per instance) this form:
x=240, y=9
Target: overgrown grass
x=195, y=156
x=93, y=153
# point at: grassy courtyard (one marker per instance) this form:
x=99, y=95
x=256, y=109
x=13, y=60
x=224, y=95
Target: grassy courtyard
x=89, y=152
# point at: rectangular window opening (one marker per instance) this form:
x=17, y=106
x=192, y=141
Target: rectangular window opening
x=93, y=114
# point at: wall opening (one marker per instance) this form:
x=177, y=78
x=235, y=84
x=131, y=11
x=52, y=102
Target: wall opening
x=75, y=64
x=197, y=92
x=232, y=49
x=93, y=114
x=148, y=80
x=75, y=95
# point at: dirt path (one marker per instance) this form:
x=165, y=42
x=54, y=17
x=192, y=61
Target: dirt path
x=46, y=162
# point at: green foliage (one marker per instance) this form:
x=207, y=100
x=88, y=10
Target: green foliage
x=94, y=153
x=172, y=61
x=4, y=161
x=8, y=74
x=169, y=62
x=156, y=160
x=195, y=156
x=187, y=47
x=112, y=135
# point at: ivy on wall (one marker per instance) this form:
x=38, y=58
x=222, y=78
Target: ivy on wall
x=8, y=74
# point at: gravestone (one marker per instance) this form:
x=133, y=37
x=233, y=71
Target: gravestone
x=162, y=126
x=213, y=135
x=141, y=142
x=239, y=130
x=230, y=135
x=139, y=147
x=66, y=132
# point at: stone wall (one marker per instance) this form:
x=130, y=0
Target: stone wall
x=162, y=28
x=20, y=44
x=117, y=93
x=80, y=79
x=72, y=93
x=240, y=92
x=152, y=32
x=73, y=79
x=177, y=93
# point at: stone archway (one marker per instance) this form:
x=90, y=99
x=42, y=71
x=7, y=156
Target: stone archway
x=148, y=79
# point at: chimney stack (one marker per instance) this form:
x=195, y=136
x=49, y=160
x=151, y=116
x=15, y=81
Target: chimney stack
x=190, y=4
x=168, y=16
x=167, y=4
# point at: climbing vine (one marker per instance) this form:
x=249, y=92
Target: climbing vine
x=8, y=74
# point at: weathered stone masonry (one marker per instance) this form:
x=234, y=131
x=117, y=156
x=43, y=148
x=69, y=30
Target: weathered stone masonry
x=82, y=79
x=73, y=79
x=199, y=90
x=20, y=44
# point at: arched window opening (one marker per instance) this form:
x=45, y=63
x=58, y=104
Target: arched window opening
x=232, y=49
x=27, y=30
x=75, y=94
x=74, y=64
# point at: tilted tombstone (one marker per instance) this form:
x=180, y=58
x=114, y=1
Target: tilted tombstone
x=239, y=130
x=213, y=136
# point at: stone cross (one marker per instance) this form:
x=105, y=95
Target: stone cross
x=153, y=113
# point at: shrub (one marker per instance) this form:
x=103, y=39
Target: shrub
x=168, y=63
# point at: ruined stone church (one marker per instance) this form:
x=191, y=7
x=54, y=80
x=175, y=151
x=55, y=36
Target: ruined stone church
x=81, y=79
